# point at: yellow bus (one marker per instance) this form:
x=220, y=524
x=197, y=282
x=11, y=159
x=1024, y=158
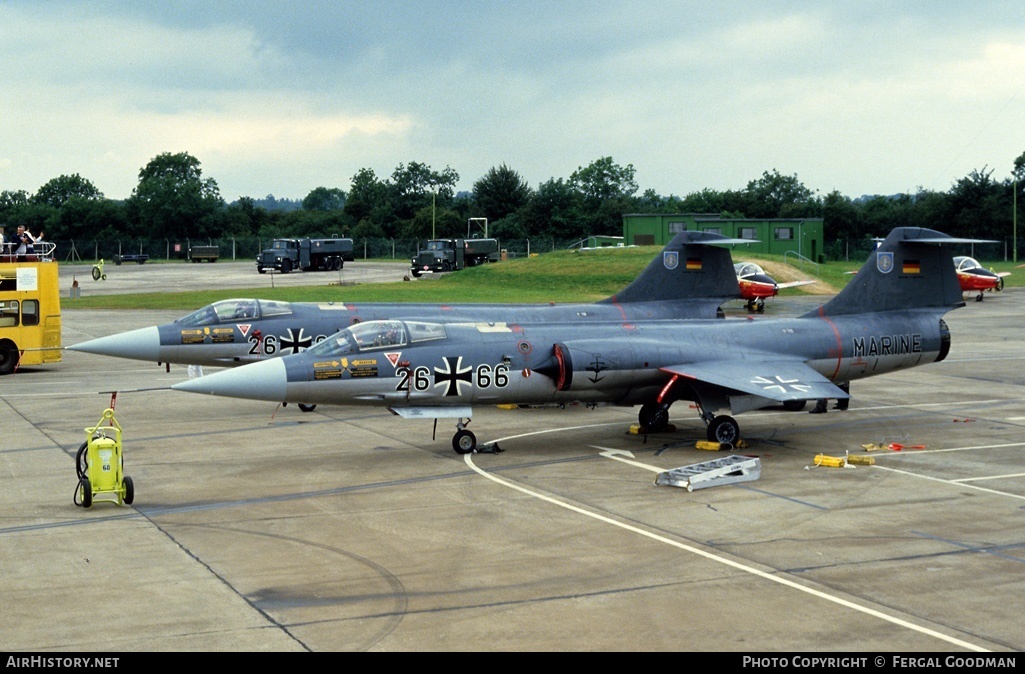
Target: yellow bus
x=30, y=310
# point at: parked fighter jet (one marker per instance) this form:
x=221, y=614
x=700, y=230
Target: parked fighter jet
x=756, y=285
x=974, y=277
x=888, y=318
x=691, y=278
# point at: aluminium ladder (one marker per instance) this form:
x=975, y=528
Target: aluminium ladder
x=728, y=470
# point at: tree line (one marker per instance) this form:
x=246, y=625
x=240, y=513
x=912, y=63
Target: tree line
x=174, y=201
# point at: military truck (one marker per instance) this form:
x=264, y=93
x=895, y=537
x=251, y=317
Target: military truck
x=287, y=255
x=453, y=254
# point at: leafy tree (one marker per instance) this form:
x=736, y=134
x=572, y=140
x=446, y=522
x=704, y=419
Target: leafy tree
x=58, y=191
x=173, y=200
x=499, y=192
x=416, y=186
x=554, y=211
x=976, y=204
x=777, y=196
x=605, y=188
x=365, y=193
x=324, y=199
x=83, y=219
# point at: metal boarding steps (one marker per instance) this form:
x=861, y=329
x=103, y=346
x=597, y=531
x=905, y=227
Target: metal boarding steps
x=727, y=470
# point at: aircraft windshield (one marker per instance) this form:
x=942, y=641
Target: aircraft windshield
x=230, y=311
x=963, y=263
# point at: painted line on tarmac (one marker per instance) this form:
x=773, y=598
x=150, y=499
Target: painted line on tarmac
x=467, y=458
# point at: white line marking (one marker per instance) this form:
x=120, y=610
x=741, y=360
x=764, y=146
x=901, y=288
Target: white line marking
x=708, y=555
x=989, y=477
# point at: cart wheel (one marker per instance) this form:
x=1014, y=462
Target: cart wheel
x=129, y=490
x=87, y=492
x=104, y=277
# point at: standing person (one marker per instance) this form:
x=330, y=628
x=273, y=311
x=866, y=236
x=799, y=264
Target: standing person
x=3, y=241
x=23, y=242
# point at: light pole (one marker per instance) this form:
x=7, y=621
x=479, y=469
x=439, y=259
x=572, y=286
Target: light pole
x=1014, y=219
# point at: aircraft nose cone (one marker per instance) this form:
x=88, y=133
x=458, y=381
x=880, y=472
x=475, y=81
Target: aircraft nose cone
x=141, y=344
x=265, y=380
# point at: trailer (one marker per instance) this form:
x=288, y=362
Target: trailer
x=204, y=253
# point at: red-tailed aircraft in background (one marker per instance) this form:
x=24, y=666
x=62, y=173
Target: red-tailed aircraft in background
x=756, y=285
x=973, y=277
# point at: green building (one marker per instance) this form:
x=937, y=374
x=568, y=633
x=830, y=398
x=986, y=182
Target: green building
x=802, y=236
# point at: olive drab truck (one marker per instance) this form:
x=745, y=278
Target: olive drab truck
x=30, y=311
x=286, y=255
x=442, y=255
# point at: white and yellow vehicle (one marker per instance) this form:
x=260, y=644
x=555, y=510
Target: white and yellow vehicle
x=30, y=312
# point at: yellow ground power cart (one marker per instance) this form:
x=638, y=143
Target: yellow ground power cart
x=100, y=465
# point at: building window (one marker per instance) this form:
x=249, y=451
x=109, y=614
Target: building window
x=748, y=232
x=677, y=227
x=713, y=230
x=784, y=233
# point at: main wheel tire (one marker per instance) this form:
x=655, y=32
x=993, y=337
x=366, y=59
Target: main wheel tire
x=794, y=405
x=129, y=490
x=653, y=417
x=464, y=442
x=415, y=273
x=261, y=270
x=307, y=408
x=724, y=430
x=1000, y=284
x=286, y=266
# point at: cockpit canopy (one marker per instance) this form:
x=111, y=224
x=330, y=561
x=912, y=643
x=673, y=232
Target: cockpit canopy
x=231, y=311
x=373, y=335
x=744, y=269
x=963, y=263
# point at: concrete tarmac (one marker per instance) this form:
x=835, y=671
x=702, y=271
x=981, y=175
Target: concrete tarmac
x=262, y=528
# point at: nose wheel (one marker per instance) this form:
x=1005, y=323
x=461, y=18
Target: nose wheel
x=464, y=441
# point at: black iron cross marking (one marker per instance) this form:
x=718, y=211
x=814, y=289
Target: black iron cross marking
x=453, y=375
x=295, y=342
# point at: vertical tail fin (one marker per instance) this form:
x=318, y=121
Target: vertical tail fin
x=910, y=269
x=689, y=267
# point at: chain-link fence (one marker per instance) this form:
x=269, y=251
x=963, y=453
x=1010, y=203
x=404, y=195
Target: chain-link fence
x=403, y=249
x=247, y=249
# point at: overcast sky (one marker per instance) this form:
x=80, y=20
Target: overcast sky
x=281, y=97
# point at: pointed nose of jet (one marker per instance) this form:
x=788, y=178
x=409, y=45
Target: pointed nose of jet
x=265, y=380
x=141, y=344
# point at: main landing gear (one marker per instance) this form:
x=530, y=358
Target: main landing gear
x=756, y=305
x=724, y=429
